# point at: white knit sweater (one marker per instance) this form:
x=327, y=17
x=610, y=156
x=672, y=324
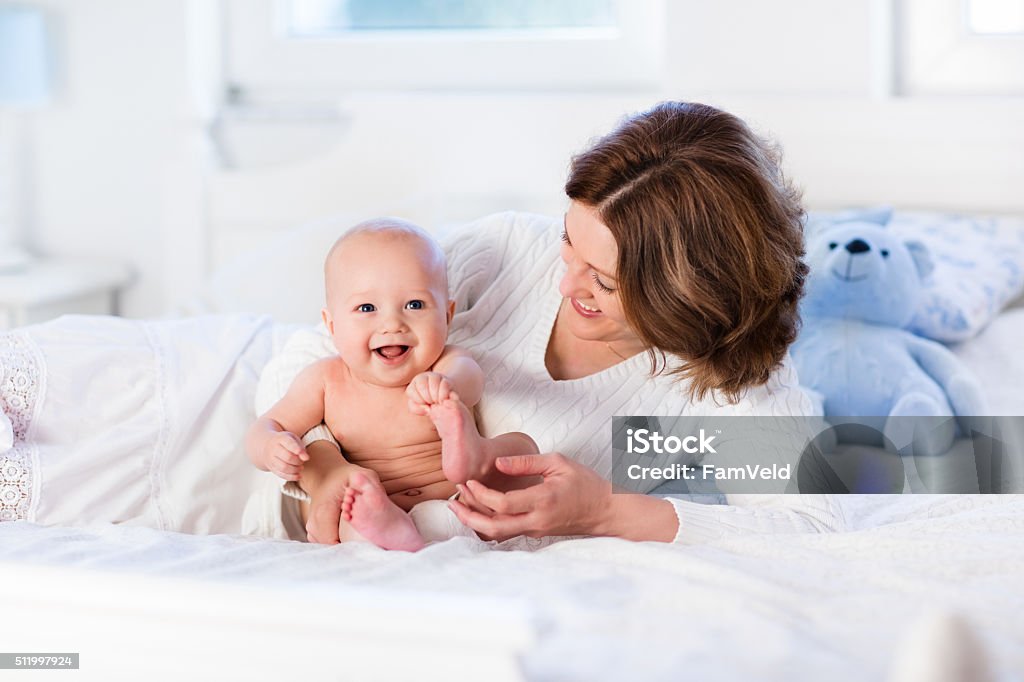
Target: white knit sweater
x=504, y=272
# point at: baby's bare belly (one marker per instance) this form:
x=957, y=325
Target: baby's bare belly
x=410, y=474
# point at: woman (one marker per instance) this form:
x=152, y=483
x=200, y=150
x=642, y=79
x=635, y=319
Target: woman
x=673, y=291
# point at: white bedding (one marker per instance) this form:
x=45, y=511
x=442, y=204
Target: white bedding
x=798, y=607
x=785, y=607
x=133, y=421
x=996, y=358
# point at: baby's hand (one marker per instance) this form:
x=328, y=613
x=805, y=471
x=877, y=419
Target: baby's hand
x=283, y=454
x=426, y=389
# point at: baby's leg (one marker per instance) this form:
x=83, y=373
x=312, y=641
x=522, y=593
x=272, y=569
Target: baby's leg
x=346, y=533
x=466, y=455
x=374, y=517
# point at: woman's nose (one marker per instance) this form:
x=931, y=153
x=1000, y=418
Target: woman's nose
x=573, y=281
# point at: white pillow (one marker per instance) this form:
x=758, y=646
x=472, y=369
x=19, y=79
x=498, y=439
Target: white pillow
x=979, y=268
x=284, y=278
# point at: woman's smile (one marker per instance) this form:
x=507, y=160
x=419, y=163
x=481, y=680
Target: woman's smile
x=585, y=310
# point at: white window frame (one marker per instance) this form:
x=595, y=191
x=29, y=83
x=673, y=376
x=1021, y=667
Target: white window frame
x=259, y=57
x=940, y=56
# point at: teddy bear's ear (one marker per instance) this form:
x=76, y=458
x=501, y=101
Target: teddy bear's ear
x=815, y=223
x=922, y=257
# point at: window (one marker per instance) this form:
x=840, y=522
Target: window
x=331, y=46
x=341, y=18
x=996, y=17
x=962, y=47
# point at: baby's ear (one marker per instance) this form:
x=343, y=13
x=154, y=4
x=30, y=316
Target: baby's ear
x=451, y=310
x=328, y=320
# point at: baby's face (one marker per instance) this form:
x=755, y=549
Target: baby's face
x=388, y=309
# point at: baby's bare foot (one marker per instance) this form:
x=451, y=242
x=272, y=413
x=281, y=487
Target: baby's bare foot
x=463, y=454
x=374, y=516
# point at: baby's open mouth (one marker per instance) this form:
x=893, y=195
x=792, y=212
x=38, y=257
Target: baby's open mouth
x=391, y=352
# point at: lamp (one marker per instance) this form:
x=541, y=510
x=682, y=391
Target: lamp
x=25, y=82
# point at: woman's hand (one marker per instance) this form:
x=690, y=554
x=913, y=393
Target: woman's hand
x=571, y=500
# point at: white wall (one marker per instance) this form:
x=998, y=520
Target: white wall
x=804, y=70
x=101, y=152
x=119, y=163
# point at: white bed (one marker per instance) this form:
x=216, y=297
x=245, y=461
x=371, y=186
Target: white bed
x=845, y=606
x=173, y=591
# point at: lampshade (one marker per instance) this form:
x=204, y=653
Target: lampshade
x=25, y=58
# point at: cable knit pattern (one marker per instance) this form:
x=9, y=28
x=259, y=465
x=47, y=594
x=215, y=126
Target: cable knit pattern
x=21, y=388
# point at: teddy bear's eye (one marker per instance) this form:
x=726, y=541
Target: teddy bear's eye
x=832, y=245
x=885, y=253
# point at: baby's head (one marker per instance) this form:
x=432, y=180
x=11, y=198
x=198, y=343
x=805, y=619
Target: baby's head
x=387, y=300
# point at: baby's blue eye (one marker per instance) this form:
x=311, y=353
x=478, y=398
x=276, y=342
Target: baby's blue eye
x=415, y=305
x=365, y=308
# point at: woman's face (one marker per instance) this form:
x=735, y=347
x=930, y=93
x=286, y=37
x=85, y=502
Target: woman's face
x=594, y=312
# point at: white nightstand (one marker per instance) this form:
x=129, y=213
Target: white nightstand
x=50, y=287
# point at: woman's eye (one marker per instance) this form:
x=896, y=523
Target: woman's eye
x=365, y=308
x=602, y=286
x=565, y=236
x=415, y=305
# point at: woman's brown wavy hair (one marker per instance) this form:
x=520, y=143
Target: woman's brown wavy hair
x=710, y=241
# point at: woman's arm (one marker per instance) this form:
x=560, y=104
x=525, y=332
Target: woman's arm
x=571, y=500
x=574, y=500
x=632, y=516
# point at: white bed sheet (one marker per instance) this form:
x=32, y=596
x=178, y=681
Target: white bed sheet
x=995, y=357
x=837, y=606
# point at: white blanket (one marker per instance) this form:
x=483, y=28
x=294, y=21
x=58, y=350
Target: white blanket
x=797, y=607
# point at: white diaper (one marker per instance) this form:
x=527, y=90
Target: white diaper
x=270, y=514
x=437, y=523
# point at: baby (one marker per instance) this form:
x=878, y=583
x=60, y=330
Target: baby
x=395, y=397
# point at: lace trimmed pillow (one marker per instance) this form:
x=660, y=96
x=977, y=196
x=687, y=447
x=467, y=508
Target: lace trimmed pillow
x=979, y=266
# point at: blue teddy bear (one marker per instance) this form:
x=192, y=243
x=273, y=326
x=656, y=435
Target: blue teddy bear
x=854, y=351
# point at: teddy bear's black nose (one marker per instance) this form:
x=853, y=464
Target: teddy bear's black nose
x=857, y=246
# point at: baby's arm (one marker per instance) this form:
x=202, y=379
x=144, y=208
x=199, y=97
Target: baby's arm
x=455, y=372
x=271, y=441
